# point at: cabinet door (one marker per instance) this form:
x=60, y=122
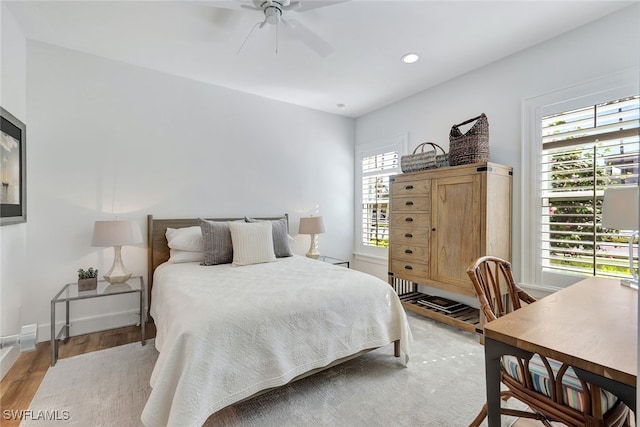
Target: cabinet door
x=455, y=233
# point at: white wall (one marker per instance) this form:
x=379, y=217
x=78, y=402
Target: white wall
x=603, y=47
x=109, y=137
x=12, y=237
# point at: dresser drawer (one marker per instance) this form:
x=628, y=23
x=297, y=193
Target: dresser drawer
x=409, y=252
x=410, y=236
x=410, y=219
x=410, y=270
x=417, y=203
x=411, y=188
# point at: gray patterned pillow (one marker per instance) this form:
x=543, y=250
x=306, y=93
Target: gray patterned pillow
x=216, y=242
x=280, y=236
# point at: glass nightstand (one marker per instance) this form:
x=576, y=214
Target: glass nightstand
x=334, y=261
x=70, y=293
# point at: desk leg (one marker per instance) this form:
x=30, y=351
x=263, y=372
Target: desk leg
x=54, y=349
x=492, y=371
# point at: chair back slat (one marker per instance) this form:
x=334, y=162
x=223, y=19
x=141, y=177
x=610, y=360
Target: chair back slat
x=495, y=287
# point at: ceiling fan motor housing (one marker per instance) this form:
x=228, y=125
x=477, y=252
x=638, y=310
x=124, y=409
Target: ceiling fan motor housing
x=272, y=9
x=273, y=14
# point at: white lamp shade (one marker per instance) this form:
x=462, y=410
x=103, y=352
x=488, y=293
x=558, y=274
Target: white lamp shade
x=116, y=233
x=311, y=225
x=620, y=208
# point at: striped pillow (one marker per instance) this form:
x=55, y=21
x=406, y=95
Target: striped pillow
x=571, y=387
x=252, y=242
x=280, y=236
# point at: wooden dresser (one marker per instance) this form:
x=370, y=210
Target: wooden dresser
x=441, y=220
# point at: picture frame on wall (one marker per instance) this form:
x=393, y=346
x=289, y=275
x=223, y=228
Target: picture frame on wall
x=13, y=169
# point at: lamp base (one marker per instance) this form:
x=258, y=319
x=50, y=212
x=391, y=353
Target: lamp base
x=117, y=279
x=118, y=272
x=313, y=248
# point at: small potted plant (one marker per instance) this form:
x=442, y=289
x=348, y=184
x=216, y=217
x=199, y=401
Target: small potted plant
x=87, y=279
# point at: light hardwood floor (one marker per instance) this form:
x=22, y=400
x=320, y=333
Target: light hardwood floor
x=23, y=379
x=20, y=384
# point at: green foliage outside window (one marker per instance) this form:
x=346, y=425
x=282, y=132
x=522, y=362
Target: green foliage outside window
x=572, y=219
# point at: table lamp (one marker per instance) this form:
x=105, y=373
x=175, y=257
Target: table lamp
x=312, y=225
x=620, y=212
x=116, y=234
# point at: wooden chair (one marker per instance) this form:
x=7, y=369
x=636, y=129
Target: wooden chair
x=550, y=388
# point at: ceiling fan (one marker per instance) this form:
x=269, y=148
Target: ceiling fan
x=274, y=11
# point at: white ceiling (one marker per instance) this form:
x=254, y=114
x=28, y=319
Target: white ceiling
x=200, y=39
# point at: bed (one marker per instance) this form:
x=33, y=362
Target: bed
x=226, y=333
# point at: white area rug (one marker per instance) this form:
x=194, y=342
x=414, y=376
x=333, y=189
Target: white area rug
x=443, y=386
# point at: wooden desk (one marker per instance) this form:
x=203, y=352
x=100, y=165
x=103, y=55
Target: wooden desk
x=592, y=325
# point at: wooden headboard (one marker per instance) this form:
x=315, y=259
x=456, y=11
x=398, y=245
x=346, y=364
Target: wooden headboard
x=158, y=249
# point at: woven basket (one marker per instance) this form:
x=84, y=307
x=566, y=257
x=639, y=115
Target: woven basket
x=424, y=159
x=473, y=145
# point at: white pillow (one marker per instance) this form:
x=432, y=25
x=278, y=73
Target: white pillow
x=185, y=239
x=252, y=242
x=177, y=256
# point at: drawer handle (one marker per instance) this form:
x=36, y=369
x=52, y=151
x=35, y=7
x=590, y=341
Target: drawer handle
x=409, y=219
x=409, y=203
x=408, y=251
x=408, y=187
x=408, y=267
x=409, y=235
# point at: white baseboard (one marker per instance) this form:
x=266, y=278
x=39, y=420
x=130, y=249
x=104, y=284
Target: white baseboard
x=371, y=259
x=92, y=324
x=78, y=327
x=7, y=358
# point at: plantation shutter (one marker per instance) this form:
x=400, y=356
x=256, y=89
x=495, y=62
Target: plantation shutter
x=585, y=151
x=376, y=170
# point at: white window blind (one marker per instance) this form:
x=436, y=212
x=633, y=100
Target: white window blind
x=376, y=169
x=585, y=151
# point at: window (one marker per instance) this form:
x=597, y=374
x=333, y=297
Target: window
x=375, y=163
x=584, y=151
x=376, y=170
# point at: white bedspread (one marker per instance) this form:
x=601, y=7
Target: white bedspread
x=225, y=333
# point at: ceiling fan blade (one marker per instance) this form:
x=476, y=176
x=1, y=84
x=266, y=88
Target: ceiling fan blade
x=226, y=14
x=234, y=5
x=303, y=6
x=305, y=35
x=246, y=6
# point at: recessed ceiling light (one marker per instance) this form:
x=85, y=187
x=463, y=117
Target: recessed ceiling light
x=410, y=58
x=341, y=106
